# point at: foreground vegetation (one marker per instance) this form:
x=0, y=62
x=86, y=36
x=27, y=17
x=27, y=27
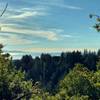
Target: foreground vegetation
x=50, y=78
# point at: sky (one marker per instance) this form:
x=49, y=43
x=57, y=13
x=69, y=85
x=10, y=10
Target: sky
x=48, y=26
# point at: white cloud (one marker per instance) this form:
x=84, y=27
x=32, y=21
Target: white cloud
x=67, y=6
x=70, y=36
x=23, y=12
x=66, y=36
x=60, y=4
x=17, y=54
x=54, y=50
x=50, y=35
x=26, y=14
x=23, y=15
x=12, y=39
x=72, y=7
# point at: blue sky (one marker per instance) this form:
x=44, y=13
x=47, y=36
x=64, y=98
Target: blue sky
x=36, y=26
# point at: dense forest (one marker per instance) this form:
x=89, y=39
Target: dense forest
x=71, y=76
x=74, y=75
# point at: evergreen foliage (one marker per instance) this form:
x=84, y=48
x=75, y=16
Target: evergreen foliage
x=71, y=76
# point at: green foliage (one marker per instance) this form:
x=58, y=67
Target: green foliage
x=12, y=82
x=77, y=82
x=77, y=97
x=98, y=65
x=97, y=25
x=96, y=80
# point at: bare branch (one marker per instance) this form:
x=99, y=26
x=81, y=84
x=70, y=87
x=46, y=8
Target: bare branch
x=4, y=10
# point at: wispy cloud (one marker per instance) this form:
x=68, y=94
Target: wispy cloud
x=60, y=4
x=69, y=36
x=25, y=13
x=12, y=39
x=17, y=54
x=72, y=7
x=68, y=6
x=23, y=25
x=53, y=50
x=66, y=36
x=14, y=51
x=50, y=35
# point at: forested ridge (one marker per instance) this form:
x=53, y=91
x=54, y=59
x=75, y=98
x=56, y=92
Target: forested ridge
x=74, y=75
x=71, y=76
